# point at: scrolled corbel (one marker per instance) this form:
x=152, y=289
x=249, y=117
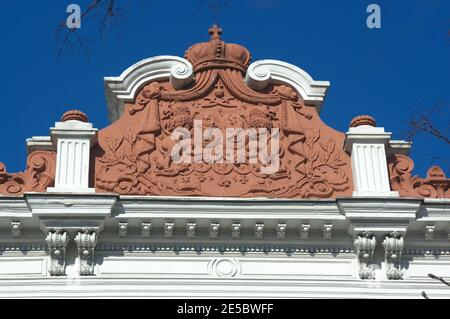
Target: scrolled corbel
x=365, y=245
x=393, y=245
x=86, y=241
x=57, y=242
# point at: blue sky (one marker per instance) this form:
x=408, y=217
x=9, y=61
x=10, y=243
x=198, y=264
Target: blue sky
x=382, y=72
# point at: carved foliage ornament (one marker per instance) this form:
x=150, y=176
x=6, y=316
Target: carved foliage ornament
x=436, y=185
x=39, y=175
x=133, y=156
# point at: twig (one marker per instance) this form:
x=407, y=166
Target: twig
x=424, y=122
x=432, y=276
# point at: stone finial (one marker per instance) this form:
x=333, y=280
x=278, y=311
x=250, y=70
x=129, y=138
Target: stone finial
x=363, y=120
x=74, y=115
x=434, y=172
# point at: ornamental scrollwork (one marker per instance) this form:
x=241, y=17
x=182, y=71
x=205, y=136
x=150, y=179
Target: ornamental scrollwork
x=365, y=245
x=436, y=185
x=57, y=241
x=86, y=241
x=135, y=159
x=39, y=175
x=393, y=245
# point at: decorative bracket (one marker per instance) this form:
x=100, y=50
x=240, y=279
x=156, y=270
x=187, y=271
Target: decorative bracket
x=393, y=246
x=86, y=241
x=214, y=230
x=190, y=229
x=281, y=230
x=236, y=230
x=259, y=230
x=57, y=242
x=327, y=231
x=16, y=229
x=429, y=231
x=123, y=229
x=304, y=231
x=365, y=247
x=146, y=229
x=168, y=229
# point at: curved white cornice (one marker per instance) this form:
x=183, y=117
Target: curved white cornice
x=122, y=89
x=261, y=73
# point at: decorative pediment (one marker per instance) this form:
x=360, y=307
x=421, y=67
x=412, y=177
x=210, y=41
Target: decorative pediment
x=134, y=154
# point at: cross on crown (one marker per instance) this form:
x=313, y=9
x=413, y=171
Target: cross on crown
x=215, y=32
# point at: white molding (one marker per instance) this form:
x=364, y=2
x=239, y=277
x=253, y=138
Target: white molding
x=398, y=147
x=261, y=73
x=218, y=288
x=227, y=208
x=39, y=143
x=419, y=268
x=380, y=209
x=23, y=266
x=245, y=267
x=435, y=210
x=122, y=89
x=14, y=207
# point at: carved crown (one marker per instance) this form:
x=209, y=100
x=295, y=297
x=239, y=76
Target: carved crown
x=218, y=54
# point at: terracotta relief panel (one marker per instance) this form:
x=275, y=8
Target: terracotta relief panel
x=134, y=154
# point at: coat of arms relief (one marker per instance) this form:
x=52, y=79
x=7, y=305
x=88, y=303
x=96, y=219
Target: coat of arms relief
x=135, y=152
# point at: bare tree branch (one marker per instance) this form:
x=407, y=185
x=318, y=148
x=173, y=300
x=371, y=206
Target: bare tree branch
x=426, y=122
x=107, y=12
x=110, y=14
x=215, y=7
x=432, y=276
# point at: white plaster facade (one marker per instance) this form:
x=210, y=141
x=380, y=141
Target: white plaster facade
x=73, y=242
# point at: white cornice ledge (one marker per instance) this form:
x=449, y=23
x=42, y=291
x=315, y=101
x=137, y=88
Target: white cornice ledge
x=70, y=212
x=14, y=207
x=122, y=89
x=435, y=210
x=380, y=208
x=261, y=73
x=39, y=143
x=227, y=208
x=63, y=205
